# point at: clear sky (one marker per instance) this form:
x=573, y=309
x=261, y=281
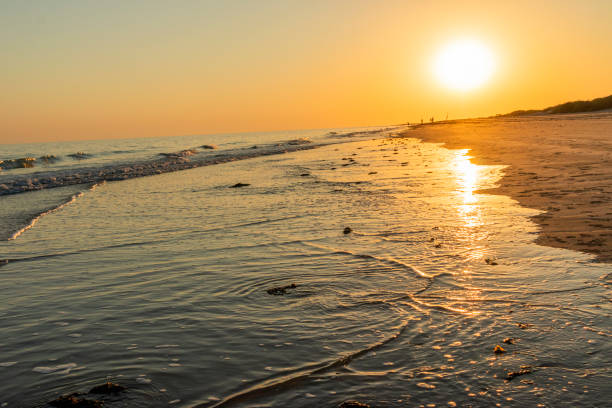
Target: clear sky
x=104, y=69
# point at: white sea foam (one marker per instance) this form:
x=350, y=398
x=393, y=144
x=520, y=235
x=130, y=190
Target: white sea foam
x=34, y=220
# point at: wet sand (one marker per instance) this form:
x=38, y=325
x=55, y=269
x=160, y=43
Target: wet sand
x=561, y=164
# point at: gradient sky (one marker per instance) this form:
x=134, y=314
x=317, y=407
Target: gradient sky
x=105, y=69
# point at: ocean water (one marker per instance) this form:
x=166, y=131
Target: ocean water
x=161, y=284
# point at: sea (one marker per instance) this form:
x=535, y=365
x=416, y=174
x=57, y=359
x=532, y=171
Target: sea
x=288, y=269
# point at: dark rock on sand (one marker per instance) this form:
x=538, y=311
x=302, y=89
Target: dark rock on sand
x=237, y=185
x=509, y=340
x=281, y=290
x=107, y=388
x=353, y=404
x=490, y=261
x=73, y=400
x=304, y=174
x=208, y=147
x=347, y=230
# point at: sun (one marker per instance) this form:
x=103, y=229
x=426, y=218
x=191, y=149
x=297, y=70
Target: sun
x=464, y=65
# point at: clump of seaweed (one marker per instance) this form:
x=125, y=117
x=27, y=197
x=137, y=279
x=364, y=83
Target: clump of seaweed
x=513, y=374
x=281, y=290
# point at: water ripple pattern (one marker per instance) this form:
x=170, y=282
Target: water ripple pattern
x=194, y=293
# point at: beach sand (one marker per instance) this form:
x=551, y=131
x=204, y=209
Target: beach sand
x=561, y=164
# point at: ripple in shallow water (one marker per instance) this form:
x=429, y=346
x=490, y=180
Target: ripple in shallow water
x=165, y=279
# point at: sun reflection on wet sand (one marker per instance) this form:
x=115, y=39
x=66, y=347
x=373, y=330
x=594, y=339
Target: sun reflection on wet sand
x=467, y=175
x=469, y=179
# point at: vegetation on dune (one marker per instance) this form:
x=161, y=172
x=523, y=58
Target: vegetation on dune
x=569, y=107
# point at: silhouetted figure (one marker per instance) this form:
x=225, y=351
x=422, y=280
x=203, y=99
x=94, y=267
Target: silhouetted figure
x=431, y=119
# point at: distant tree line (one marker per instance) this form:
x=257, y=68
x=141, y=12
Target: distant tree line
x=569, y=107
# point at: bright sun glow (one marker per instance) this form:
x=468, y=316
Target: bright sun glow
x=464, y=65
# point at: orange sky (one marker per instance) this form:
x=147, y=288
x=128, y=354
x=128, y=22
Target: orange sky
x=97, y=70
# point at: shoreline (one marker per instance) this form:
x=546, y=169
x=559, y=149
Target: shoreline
x=557, y=164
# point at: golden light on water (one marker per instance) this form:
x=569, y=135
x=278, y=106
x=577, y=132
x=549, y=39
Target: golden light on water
x=464, y=65
x=468, y=177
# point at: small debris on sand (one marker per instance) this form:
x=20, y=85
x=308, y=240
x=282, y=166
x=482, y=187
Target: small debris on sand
x=208, y=147
x=373, y=172
x=281, y=290
x=522, y=325
x=438, y=245
x=524, y=370
x=499, y=349
x=509, y=340
x=304, y=174
x=73, y=400
x=353, y=404
x=347, y=230
x=490, y=261
x=107, y=388
x=240, y=185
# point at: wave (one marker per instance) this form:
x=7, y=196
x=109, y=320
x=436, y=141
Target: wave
x=32, y=221
x=203, y=155
x=362, y=132
x=163, y=163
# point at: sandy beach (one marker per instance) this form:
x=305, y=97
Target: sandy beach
x=565, y=172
